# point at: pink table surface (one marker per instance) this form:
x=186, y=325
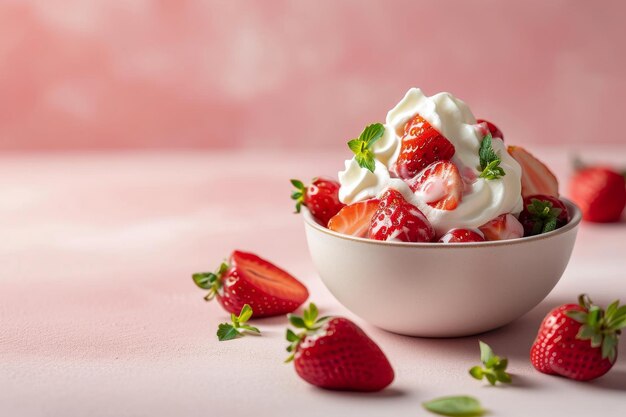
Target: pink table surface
x=99, y=316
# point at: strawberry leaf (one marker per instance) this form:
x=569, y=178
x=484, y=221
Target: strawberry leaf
x=204, y=280
x=245, y=314
x=608, y=347
x=455, y=406
x=494, y=366
x=579, y=316
x=298, y=194
x=226, y=331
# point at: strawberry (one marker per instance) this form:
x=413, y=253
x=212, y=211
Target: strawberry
x=440, y=185
x=248, y=279
x=462, y=236
x=420, y=146
x=398, y=220
x=493, y=129
x=503, y=227
x=321, y=197
x=578, y=341
x=542, y=214
x=536, y=177
x=334, y=353
x=355, y=218
x=600, y=193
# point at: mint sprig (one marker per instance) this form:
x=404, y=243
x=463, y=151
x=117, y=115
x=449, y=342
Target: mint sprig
x=494, y=366
x=455, y=406
x=237, y=325
x=362, y=146
x=211, y=281
x=544, y=215
x=308, y=322
x=489, y=160
x=601, y=327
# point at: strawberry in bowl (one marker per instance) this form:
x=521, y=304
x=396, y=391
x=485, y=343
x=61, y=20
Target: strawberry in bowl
x=434, y=201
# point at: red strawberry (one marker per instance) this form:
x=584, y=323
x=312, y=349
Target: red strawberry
x=462, y=236
x=440, y=184
x=578, y=341
x=503, y=227
x=493, y=129
x=354, y=219
x=248, y=279
x=600, y=193
x=542, y=214
x=421, y=145
x=398, y=220
x=536, y=177
x=334, y=353
x=321, y=198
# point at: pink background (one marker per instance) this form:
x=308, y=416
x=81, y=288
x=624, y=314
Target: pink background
x=98, y=74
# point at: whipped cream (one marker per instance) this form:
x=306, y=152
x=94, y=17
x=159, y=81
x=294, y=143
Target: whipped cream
x=482, y=199
x=359, y=183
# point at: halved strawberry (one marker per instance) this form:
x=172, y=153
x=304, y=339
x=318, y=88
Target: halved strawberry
x=536, y=177
x=440, y=185
x=503, y=227
x=398, y=220
x=354, y=219
x=462, y=236
x=421, y=145
x=248, y=279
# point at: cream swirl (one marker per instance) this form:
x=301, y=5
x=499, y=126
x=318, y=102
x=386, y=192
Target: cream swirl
x=482, y=199
x=359, y=183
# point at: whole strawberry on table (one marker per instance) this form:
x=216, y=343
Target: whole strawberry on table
x=579, y=341
x=334, y=353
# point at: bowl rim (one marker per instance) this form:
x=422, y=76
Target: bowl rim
x=573, y=209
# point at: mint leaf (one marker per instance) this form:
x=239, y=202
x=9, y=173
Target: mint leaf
x=361, y=147
x=455, y=406
x=226, y=331
x=489, y=161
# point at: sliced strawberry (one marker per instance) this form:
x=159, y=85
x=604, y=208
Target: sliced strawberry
x=542, y=214
x=600, y=193
x=421, y=145
x=503, y=227
x=248, y=279
x=398, y=220
x=462, y=236
x=354, y=219
x=440, y=185
x=536, y=177
x=493, y=129
x=578, y=341
x=334, y=353
x=321, y=197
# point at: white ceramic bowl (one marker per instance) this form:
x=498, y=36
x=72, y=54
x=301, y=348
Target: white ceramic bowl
x=441, y=290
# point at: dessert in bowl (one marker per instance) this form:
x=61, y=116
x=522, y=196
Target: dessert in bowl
x=440, y=290
x=436, y=227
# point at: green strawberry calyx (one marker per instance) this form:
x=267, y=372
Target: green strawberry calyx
x=211, y=281
x=308, y=323
x=362, y=146
x=544, y=215
x=601, y=327
x=494, y=367
x=237, y=325
x=299, y=194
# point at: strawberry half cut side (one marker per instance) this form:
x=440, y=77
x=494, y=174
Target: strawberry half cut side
x=249, y=279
